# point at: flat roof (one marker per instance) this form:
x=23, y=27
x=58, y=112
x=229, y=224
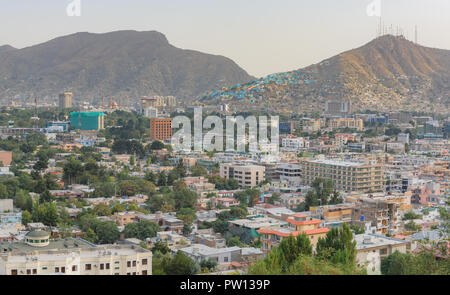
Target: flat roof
x=68, y=243
x=207, y=251
x=258, y=222
x=375, y=241
x=338, y=163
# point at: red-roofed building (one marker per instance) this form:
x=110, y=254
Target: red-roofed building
x=298, y=224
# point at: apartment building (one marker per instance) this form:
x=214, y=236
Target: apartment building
x=347, y=176
x=290, y=200
x=382, y=214
x=246, y=175
x=311, y=125
x=290, y=173
x=39, y=255
x=65, y=100
x=334, y=215
x=160, y=128
x=342, y=123
x=298, y=224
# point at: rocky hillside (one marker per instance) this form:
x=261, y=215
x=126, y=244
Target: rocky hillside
x=122, y=64
x=388, y=73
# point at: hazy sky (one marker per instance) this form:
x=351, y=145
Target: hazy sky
x=262, y=36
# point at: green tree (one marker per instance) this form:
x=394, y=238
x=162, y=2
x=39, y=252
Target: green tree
x=147, y=229
x=107, y=232
x=274, y=198
x=187, y=229
x=160, y=247
x=131, y=230
x=338, y=246
x=182, y=265
x=91, y=236
x=102, y=210
x=26, y=217
x=23, y=200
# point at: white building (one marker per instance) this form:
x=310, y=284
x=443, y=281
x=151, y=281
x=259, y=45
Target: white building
x=246, y=175
x=151, y=112
x=294, y=143
x=372, y=248
x=290, y=173
x=38, y=255
x=199, y=252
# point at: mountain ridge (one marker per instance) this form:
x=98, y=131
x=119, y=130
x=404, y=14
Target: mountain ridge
x=121, y=63
x=387, y=72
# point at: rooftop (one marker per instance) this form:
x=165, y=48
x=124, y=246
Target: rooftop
x=203, y=250
x=365, y=241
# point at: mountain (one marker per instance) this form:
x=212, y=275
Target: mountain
x=125, y=64
x=388, y=73
x=6, y=48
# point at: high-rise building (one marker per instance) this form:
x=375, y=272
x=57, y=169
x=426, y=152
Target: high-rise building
x=65, y=100
x=347, y=176
x=160, y=128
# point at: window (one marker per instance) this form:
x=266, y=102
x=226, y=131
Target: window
x=134, y=263
x=144, y=261
x=28, y=271
x=144, y=272
x=128, y=263
x=56, y=269
x=34, y=271
x=74, y=268
x=63, y=269
x=14, y=272
x=102, y=266
x=134, y=273
x=225, y=259
x=383, y=251
x=44, y=268
x=107, y=266
x=88, y=267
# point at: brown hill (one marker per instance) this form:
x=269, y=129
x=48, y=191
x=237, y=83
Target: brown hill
x=120, y=64
x=388, y=73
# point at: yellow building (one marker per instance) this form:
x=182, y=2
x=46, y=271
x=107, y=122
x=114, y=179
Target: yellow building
x=347, y=176
x=352, y=123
